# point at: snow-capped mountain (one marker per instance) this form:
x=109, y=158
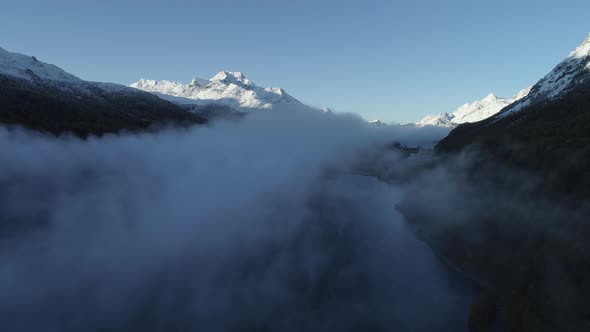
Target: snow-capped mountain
x=44, y=97
x=571, y=73
x=440, y=120
x=24, y=67
x=29, y=68
x=473, y=112
x=552, y=117
x=228, y=88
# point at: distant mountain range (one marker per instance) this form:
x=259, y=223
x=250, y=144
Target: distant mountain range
x=232, y=89
x=43, y=96
x=473, y=112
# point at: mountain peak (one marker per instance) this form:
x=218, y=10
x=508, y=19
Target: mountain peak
x=583, y=50
x=470, y=112
x=377, y=123
x=228, y=88
x=570, y=74
x=229, y=77
x=489, y=98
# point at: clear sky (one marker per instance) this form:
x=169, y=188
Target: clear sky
x=392, y=60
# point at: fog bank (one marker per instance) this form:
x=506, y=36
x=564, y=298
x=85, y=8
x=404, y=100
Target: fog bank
x=249, y=225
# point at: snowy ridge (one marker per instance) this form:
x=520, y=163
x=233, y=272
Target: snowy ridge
x=169, y=88
x=29, y=68
x=571, y=72
x=440, y=120
x=228, y=88
x=480, y=110
x=563, y=75
x=473, y=112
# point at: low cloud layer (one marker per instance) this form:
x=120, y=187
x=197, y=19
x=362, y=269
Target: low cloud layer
x=252, y=225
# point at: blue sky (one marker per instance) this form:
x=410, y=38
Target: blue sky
x=392, y=60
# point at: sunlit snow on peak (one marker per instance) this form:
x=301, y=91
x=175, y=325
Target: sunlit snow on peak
x=583, y=50
x=231, y=77
x=473, y=112
x=228, y=88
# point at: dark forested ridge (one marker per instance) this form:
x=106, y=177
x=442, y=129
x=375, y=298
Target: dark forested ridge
x=552, y=139
x=547, y=132
x=85, y=108
x=527, y=241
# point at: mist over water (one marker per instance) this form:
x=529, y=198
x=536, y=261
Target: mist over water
x=255, y=225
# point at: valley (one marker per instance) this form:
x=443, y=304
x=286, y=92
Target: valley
x=222, y=205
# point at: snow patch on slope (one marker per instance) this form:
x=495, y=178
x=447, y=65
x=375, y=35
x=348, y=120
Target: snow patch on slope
x=29, y=68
